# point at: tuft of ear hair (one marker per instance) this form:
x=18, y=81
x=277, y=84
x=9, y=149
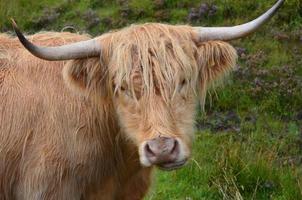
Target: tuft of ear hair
x=86, y=77
x=215, y=59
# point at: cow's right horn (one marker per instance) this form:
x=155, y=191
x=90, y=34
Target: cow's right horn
x=78, y=50
x=236, y=32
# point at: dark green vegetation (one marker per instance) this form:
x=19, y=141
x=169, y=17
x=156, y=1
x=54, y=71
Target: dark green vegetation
x=249, y=140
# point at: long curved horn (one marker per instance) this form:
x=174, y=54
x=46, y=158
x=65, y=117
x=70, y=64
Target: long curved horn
x=235, y=32
x=84, y=49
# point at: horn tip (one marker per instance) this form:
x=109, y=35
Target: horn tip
x=13, y=23
x=15, y=27
x=18, y=32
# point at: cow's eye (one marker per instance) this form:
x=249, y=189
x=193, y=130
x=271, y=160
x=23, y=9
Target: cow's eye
x=123, y=88
x=183, y=83
x=126, y=92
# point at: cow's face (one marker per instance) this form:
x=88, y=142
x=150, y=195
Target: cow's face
x=154, y=81
x=156, y=99
x=162, y=130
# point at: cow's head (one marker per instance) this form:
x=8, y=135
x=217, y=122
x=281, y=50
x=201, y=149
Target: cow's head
x=152, y=74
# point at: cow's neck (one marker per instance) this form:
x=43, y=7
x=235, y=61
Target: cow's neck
x=119, y=154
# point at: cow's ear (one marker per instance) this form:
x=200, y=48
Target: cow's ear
x=86, y=76
x=215, y=59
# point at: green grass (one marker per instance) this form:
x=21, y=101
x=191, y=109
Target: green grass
x=23, y=11
x=260, y=161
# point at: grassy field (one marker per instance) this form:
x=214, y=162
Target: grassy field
x=249, y=139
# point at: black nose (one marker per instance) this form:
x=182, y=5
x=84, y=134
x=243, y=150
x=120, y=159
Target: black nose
x=162, y=150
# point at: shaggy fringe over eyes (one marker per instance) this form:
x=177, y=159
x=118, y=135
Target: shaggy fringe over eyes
x=162, y=56
x=153, y=59
x=216, y=60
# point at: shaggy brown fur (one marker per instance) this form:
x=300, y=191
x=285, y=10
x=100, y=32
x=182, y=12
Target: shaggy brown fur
x=57, y=143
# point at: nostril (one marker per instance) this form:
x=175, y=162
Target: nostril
x=175, y=147
x=149, y=151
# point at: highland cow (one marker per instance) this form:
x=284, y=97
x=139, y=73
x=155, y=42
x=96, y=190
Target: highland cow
x=93, y=122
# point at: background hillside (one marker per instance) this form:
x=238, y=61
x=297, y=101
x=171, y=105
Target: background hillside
x=249, y=140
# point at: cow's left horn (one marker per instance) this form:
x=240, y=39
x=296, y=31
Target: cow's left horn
x=84, y=49
x=235, y=32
